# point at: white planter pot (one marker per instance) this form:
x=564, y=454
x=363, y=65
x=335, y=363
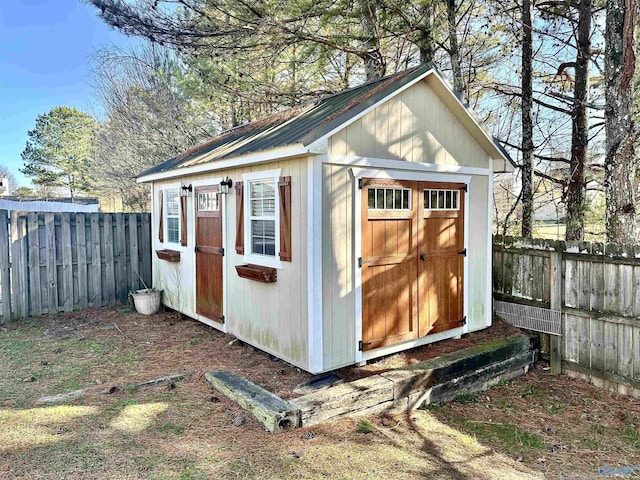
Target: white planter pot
x=147, y=302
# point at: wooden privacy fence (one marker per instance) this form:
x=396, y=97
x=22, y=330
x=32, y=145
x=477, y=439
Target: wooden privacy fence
x=53, y=262
x=599, y=298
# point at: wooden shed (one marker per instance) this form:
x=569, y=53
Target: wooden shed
x=352, y=227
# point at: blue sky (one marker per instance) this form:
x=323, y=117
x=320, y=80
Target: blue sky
x=45, y=49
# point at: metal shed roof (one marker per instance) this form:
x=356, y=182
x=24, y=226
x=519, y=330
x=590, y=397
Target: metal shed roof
x=298, y=126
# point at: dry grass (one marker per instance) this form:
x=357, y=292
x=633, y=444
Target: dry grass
x=536, y=426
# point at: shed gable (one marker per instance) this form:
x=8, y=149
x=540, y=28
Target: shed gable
x=416, y=126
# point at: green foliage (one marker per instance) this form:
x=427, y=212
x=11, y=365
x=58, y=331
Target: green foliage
x=365, y=426
x=59, y=149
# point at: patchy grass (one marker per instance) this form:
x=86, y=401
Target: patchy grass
x=508, y=436
x=529, y=428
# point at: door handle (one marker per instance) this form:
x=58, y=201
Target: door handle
x=423, y=257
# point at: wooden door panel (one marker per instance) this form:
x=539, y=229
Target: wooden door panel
x=441, y=306
x=209, y=253
x=388, y=270
x=412, y=267
x=441, y=268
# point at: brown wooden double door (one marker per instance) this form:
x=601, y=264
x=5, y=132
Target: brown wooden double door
x=412, y=259
x=209, y=253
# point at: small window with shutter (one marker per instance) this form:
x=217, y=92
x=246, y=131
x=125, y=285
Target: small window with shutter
x=263, y=216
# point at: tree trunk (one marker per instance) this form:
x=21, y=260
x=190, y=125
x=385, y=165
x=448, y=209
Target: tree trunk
x=454, y=51
x=527, y=121
x=425, y=40
x=620, y=161
x=579, y=129
x=375, y=65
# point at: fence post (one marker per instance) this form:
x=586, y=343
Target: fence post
x=555, y=347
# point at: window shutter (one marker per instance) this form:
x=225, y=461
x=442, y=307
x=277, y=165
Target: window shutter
x=160, y=218
x=239, y=218
x=183, y=221
x=285, y=218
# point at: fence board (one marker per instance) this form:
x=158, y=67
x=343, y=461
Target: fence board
x=570, y=286
x=507, y=280
x=625, y=352
x=145, y=255
x=34, y=264
x=121, y=257
x=570, y=337
x=16, y=272
x=636, y=352
x=81, y=261
x=5, y=270
x=625, y=305
x=584, y=291
x=584, y=342
x=610, y=354
x=109, y=289
x=95, y=295
x=611, y=288
x=133, y=251
x=597, y=287
x=67, y=263
x=596, y=353
x=51, y=268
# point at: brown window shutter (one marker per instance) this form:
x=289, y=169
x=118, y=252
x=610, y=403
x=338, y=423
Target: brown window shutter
x=183, y=221
x=285, y=218
x=239, y=218
x=160, y=218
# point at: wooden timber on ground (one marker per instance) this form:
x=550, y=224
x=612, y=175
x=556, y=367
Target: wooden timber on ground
x=275, y=414
x=433, y=381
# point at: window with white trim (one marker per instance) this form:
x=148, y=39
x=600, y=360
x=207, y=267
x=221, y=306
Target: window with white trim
x=172, y=215
x=262, y=217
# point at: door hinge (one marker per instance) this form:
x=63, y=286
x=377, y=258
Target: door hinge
x=464, y=188
x=463, y=252
x=360, y=183
x=362, y=345
x=222, y=251
x=463, y=321
x=360, y=262
x=221, y=318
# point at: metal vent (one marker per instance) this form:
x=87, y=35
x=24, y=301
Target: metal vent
x=531, y=318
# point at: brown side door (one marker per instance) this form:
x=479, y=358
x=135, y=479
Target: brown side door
x=389, y=261
x=440, y=256
x=209, y=253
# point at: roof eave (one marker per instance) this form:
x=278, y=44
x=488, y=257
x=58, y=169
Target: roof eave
x=287, y=151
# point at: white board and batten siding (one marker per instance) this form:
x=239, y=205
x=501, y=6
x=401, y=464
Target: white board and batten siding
x=271, y=316
x=414, y=126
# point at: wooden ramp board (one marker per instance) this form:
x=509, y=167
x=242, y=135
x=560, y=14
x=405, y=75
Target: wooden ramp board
x=272, y=412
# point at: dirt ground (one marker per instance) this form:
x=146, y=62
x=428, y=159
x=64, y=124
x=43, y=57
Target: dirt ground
x=539, y=426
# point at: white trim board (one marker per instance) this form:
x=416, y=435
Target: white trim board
x=314, y=266
x=417, y=342
x=372, y=162
x=265, y=156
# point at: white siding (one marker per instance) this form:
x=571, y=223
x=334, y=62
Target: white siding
x=272, y=317
x=414, y=126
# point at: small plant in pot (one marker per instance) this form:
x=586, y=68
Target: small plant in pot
x=146, y=300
